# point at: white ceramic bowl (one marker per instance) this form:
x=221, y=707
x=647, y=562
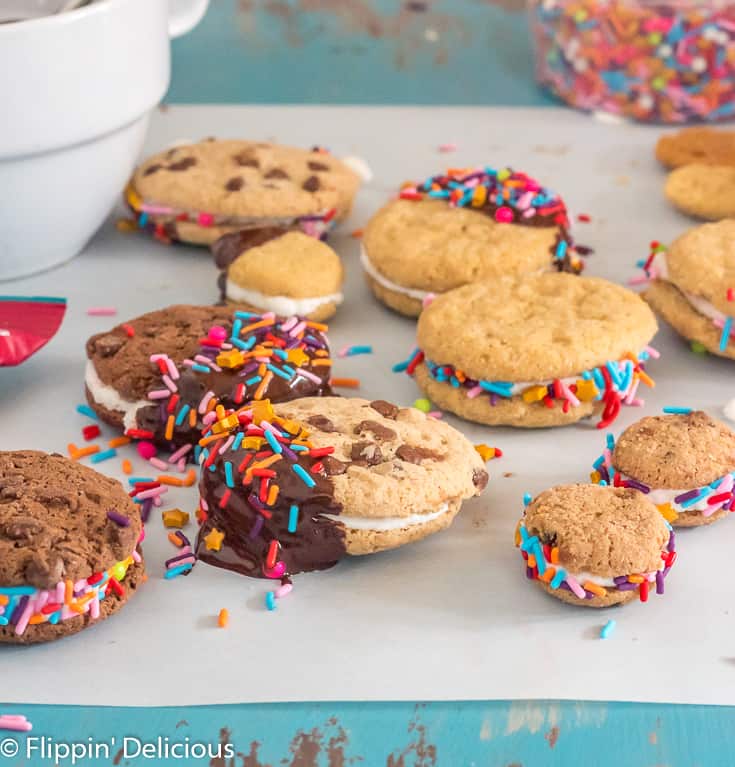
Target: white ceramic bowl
x=76, y=90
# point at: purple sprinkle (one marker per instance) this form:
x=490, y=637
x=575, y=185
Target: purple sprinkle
x=145, y=509
x=665, y=571
x=686, y=496
x=117, y=518
x=627, y=586
x=637, y=485
x=589, y=594
x=659, y=582
x=183, y=538
x=20, y=608
x=493, y=398
x=530, y=573
x=290, y=454
x=248, y=369
x=620, y=579
x=177, y=558
x=254, y=501
x=672, y=541
x=257, y=527
x=604, y=474
x=564, y=585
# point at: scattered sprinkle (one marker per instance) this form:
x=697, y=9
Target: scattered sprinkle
x=584, y=218
x=448, y=147
x=223, y=618
x=102, y=311
x=357, y=233
x=91, y=432
x=423, y=405
x=352, y=351
x=270, y=600
x=345, y=383
x=175, y=518
x=697, y=347
x=87, y=410
x=607, y=629
x=677, y=410
x=487, y=453
x=103, y=455
x=119, y=519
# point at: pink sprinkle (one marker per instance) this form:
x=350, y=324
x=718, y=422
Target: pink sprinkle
x=159, y=394
x=283, y=591
x=435, y=414
x=169, y=383
x=504, y=215
x=102, y=311
x=158, y=463
x=181, y=466
x=475, y=391
x=308, y=374
x=343, y=351
x=146, y=450
x=209, y=418
x=173, y=371
x=427, y=300
x=276, y=571
x=218, y=333
x=205, y=401
x=205, y=219
x=576, y=589
x=153, y=492
x=15, y=723
x=653, y=353
x=449, y=147
x=180, y=453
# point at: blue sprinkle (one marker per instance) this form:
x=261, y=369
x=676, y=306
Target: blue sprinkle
x=299, y=448
x=610, y=440
x=598, y=462
x=293, y=518
x=201, y=368
x=174, y=571
x=602, y=483
x=270, y=600
x=236, y=327
x=135, y=480
x=197, y=453
x=87, y=410
x=229, y=481
x=607, y=629
x=104, y=455
x=142, y=220
x=240, y=344
x=182, y=414
x=561, y=249
x=529, y=543
x=272, y=441
x=353, y=350
x=677, y=410
x=308, y=481
x=278, y=371
x=556, y=581
x=540, y=558
x=725, y=337
x=527, y=499
x=54, y=618
x=238, y=441
x=3, y=621
x=253, y=380
x=19, y=591
x=246, y=315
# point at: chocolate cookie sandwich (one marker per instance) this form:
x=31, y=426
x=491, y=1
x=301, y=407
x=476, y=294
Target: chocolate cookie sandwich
x=159, y=376
x=463, y=226
x=297, y=487
x=595, y=546
x=544, y=350
x=69, y=547
x=282, y=271
x=683, y=462
x=198, y=192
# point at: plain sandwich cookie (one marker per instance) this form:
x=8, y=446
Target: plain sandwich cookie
x=299, y=488
x=545, y=350
x=461, y=227
x=595, y=546
x=196, y=193
x=683, y=462
x=281, y=271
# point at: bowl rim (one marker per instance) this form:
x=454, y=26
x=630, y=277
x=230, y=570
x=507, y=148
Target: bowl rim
x=92, y=9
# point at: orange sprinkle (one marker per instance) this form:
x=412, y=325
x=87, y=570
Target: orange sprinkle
x=549, y=573
x=119, y=441
x=317, y=326
x=555, y=555
x=594, y=588
x=165, y=479
x=204, y=441
x=175, y=540
x=256, y=325
x=345, y=383
x=321, y=362
x=210, y=405
x=531, y=561
x=169, y=433
x=192, y=418
x=266, y=462
x=71, y=448
x=4, y=600
x=646, y=379
x=127, y=467
x=68, y=592
x=263, y=385
x=272, y=495
x=191, y=478
x=223, y=618
x=357, y=234
x=635, y=579
x=85, y=451
x=36, y=619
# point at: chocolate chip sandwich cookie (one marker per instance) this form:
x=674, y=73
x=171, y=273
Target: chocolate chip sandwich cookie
x=282, y=271
x=198, y=192
x=461, y=227
x=545, y=350
x=595, y=546
x=296, y=489
x=683, y=462
x=160, y=376
x=69, y=547
x=692, y=286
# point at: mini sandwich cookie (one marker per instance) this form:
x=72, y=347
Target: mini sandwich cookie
x=702, y=191
x=281, y=271
x=69, y=542
x=461, y=227
x=693, y=286
x=696, y=145
x=160, y=376
x=199, y=192
x=595, y=546
x=545, y=350
x=684, y=463
x=297, y=489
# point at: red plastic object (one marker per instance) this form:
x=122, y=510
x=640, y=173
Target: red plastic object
x=27, y=324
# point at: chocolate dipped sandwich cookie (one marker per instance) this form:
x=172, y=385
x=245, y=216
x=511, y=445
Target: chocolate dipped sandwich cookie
x=159, y=376
x=279, y=270
x=69, y=547
x=545, y=350
x=683, y=462
x=595, y=546
x=196, y=193
x=297, y=487
x=461, y=227
x=692, y=286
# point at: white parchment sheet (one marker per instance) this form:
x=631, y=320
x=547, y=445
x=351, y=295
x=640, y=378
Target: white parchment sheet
x=452, y=617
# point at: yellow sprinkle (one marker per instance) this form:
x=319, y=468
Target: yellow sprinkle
x=586, y=390
x=231, y=359
x=479, y=196
x=667, y=511
x=213, y=539
x=125, y=225
x=534, y=394
x=175, y=518
x=486, y=452
x=595, y=477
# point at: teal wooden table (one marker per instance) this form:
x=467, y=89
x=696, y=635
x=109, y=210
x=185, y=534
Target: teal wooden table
x=371, y=51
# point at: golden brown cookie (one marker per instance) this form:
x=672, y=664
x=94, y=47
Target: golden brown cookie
x=697, y=145
x=374, y=477
x=198, y=192
x=595, y=546
x=68, y=547
x=683, y=462
x=287, y=272
x=545, y=350
x=703, y=191
x=460, y=228
x=693, y=283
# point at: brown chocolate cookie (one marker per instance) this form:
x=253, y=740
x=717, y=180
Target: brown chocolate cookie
x=68, y=547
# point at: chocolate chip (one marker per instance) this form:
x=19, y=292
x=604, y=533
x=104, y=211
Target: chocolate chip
x=44, y=570
x=381, y=432
x=235, y=184
x=246, y=161
x=321, y=422
x=152, y=169
x=366, y=452
x=184, y=164
x=22, y=528
x=277, y=173
x=313, y=165
x=480, y=478
x=386, y=409
x=333, y=466
x=411, y=454
x=312, y=184
x=109, y=345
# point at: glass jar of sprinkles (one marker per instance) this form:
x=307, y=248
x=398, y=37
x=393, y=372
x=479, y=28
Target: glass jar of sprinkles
x=648, y=61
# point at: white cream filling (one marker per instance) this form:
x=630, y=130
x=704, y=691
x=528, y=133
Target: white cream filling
x=367, y=265
x=660, y=496
x=385, y=524
x=110, y=398
x=283, y=305
x=584, y=577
